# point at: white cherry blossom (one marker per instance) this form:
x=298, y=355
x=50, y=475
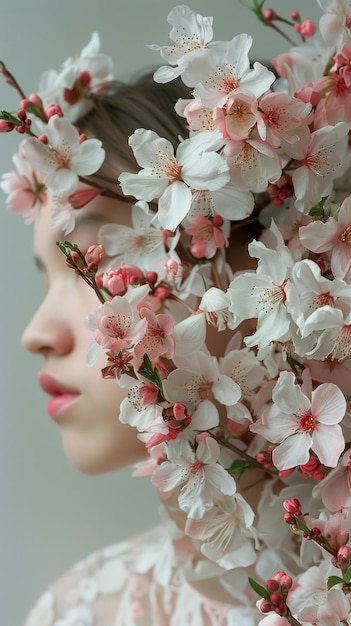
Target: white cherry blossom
x=198, y=473
x=64, y=158
x=200, y=386
x=191, y=34
x=142, y=244
x=170, y=178
x=78, y=76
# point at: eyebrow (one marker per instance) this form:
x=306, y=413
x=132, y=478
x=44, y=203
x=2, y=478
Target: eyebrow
x=82, y=219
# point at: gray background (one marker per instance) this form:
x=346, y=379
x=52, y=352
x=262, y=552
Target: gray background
x=50, y=514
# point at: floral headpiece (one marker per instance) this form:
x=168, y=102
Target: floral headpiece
x=259, y=147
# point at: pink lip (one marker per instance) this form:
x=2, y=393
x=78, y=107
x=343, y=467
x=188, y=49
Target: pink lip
x=62, y=395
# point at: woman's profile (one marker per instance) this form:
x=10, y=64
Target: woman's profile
x=214, y=286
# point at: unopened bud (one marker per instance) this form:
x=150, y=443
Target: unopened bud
x=22, y=115
x=293, y=505
x=217, y=220
x=307, y=28
x=53, y=109
x=276, y=598
x=344, y=557
x=95, y=255
x=265, y=606
x=151, y=277
x=272, y=584
x=269, y=15
x=6, y=127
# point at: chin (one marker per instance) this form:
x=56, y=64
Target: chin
x=99, y=455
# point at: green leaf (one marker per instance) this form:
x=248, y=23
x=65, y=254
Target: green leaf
x=347, y=576
x=150, y=373
x=262, y=591
x=317, y=210
x=238, y=467
x=9, y=117
x=334, y=580
x=302, y=526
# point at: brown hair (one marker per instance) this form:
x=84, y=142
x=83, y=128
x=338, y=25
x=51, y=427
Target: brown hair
x=121, y=108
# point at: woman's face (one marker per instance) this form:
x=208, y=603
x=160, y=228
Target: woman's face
x=81, y=402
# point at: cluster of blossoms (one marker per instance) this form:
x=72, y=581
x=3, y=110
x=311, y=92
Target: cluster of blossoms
x=274, y=150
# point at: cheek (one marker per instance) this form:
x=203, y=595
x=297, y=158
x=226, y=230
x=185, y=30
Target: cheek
x=96, y=441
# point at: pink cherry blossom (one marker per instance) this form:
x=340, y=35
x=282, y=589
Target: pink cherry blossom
x=168, y=177
x=207, y=236
x=336, y=22
x=279, y=116
x=299, y=424
x=320, y=156
x=64, y=158
x=225, y=71
x=336, y=611
x=335, y=488
x=25, y=187
x=141, y=410
x=158, y=338
x=333, y=235
x=116, y=325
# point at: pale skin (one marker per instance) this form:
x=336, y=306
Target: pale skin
x=94, y=440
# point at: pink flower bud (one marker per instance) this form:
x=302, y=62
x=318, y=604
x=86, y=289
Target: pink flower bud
x=292, y=505
x=217, y=220
x=286, y=582
x=265, y=606
x=95, y=254
x=76, y=261
x=114, y=282
x=36, y=100
x=295, y=15
x=171, y=268
x=22, y=115
x=53, y=109
x=43, y=138
x=151, y=277
x=83, y=196
x=269, y=15
x=297, y=28
x=148, y=394
x=179, y=411
x=272, y=584
x=25, y=104
x=6, y=127
x=344, y=557
x=276, y=598
x=308, y=28
x=162, y=291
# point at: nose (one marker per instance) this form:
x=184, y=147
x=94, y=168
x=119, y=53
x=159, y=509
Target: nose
x=49, y=331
